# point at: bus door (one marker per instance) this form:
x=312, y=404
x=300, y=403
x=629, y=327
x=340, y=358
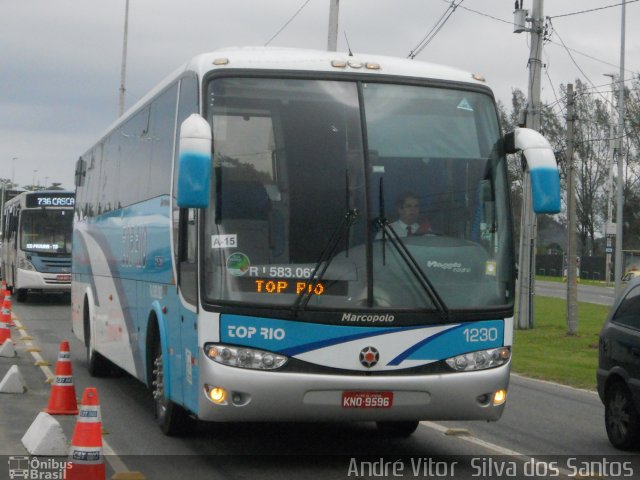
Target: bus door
x=186, y=379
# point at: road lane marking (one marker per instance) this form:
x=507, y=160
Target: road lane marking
x=110, y=456
x=34, y=351
x=555, y=384
x=492, y=446
x=475, y=440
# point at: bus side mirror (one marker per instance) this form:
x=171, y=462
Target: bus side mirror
x=194, y=163
x=545, y=179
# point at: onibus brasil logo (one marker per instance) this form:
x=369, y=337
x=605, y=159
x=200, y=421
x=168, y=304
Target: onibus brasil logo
x=35, y=468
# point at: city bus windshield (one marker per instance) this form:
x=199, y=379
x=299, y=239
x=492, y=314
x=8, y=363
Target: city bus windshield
x=416, y=169
x=47, y=231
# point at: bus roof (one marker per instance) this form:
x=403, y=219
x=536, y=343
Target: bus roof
x=303, y=60
x=275, y=58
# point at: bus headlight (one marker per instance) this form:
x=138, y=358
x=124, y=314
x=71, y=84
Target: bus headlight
x=480, y=360
x=244, y=357
x=25, y=264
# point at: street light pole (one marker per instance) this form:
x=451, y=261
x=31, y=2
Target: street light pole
x=332, y=40
x=619, y=267
x=13, y=170
x=609, y=229
x=4, y=189
x=123, y=70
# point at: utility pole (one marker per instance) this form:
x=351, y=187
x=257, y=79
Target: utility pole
x=332, y=41
x=572, y=289
x=619, y=267
x=13, y=171
x=609, y=228
x=527, y=257
x=123, y=70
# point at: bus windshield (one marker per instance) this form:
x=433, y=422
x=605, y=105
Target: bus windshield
x=371, y=188
x=47, y=231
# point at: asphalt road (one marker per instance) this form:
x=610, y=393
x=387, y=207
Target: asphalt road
x=586, y=293
x=549, y=422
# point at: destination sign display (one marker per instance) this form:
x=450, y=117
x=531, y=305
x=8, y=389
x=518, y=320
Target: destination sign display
x=280, y=286
x=50, y=199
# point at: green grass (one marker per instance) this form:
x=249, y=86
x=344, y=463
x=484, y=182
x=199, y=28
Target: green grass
x=547, y=352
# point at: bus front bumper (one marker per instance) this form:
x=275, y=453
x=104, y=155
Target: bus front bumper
x=32, y=280
x=271, y=396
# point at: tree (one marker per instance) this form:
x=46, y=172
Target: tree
x=591, y=154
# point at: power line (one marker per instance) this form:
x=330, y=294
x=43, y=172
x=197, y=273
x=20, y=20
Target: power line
x=483, y=14
x=630, y=79
x=574, y=60
x=604, y=62
x=593, y=9
x=435, y=29
x=507, y=22
x=287, y=22
x=557, y=102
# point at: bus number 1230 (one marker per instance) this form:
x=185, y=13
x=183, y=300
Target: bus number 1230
x=480, y=334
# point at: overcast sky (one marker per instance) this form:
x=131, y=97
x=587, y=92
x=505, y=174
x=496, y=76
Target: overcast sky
x=60, y=60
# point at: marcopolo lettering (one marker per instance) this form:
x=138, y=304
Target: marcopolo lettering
x=362, y=318
x=453, y=266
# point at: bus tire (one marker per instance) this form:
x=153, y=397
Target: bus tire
x=97, y=365
x=21, y=295
x=172, y=419
x=397, y=429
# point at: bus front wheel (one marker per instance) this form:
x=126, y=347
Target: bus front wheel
x=173, y=419
x=21, y=295
x=397, y=429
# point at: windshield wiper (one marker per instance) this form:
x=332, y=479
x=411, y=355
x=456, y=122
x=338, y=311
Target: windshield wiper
x=326, y=256
x=387, y=231
x=415, y=268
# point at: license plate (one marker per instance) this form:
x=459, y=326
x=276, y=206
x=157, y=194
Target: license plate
x=63, y=278
x=367, y=399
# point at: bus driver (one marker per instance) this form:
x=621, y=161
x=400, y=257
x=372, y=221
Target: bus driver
x=409, y=223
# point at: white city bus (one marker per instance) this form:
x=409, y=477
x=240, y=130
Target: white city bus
x=36, y=249
x=234, y=245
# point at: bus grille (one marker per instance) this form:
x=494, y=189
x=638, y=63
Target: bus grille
x=52, y=265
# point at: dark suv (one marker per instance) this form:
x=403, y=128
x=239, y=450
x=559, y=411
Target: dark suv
x=618, y=373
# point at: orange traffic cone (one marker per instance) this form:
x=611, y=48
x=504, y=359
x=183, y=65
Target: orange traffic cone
x=5, y=322
x=3, y=291
x=85, y=455
x=62, y=400
x=5, y=333
x=5, y=315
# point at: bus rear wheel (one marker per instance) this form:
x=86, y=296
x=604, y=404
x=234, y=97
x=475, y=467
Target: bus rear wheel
x=397, y=429
x=172, y=419
x=97, y=365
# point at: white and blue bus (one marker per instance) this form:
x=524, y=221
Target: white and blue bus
x=36, y=250
x=235, y=245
